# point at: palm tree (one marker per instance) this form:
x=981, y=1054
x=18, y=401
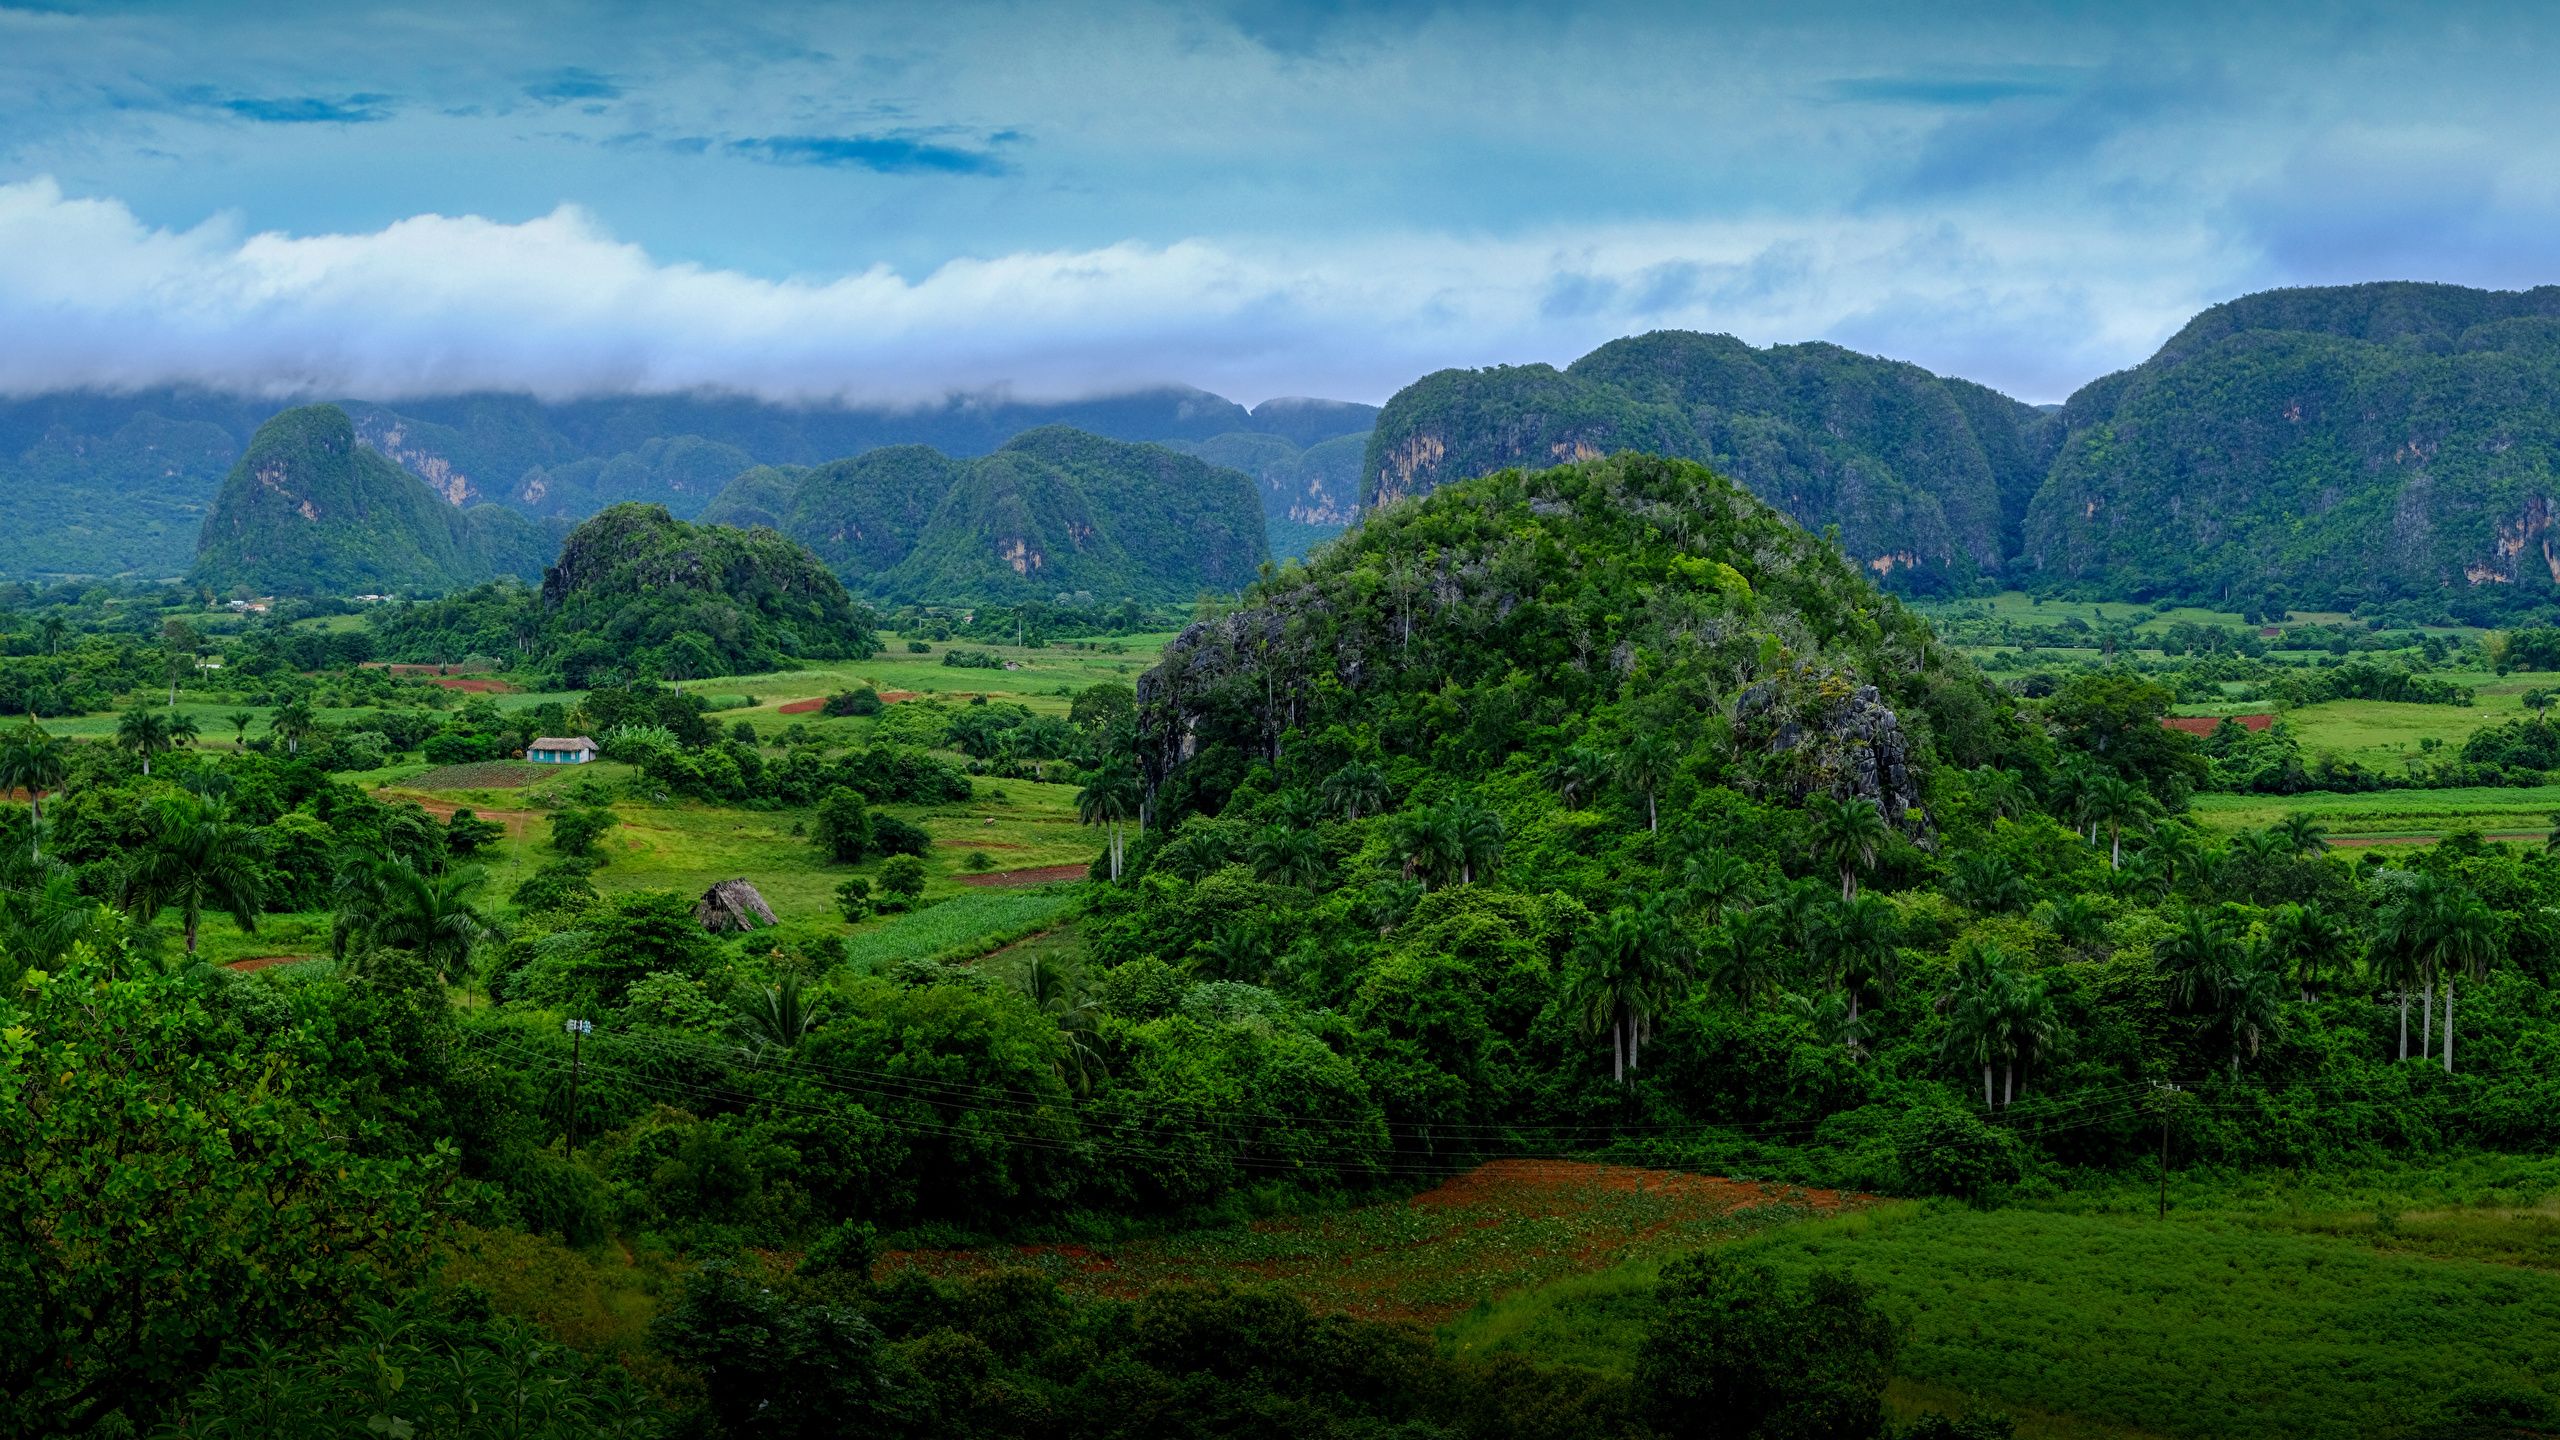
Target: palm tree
x=2268, y=844
x=1281, y=855
x=1235, y=952
x=1356, y=789
x=1623, y=969
x=1645, y=766
x=1746, y=956
x=41, y=918
x=1833, y=1016
x=145, y=733
x=2437, y=927
x=1850, y=834
x=1111, y=795
x=2070, y=797
x=1575, y=774
x=50, y=630
x=183, y=729
x=196, y=857
x=1060, y=994
x=1973, y=1004
x=1857, y=938
x=392, y=904
x=2305, y=835
x=240, y=721
x=1479, y=834
x=295, y=723
x=2249, y=1003
x=1987, y=883
x=2111, y=802
x=2003, y=793
x=2195, y=959
x=778, y=1017
x=1429, y=846
x=2028, y=1029
x=2073, y=919
x=2310, y=938
x=33, y=761
x=1712, y=881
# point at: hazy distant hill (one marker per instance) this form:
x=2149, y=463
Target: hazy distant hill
x=99, y=484
x=1922, y=474
x=1310, y=488
x=1056, y=510
x=2321, y=447
x=308, y=510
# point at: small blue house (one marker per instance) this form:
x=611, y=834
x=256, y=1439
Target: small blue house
x=560, y=750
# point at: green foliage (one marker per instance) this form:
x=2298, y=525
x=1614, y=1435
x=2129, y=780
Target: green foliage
x=1055, y=509
x=308, y=510
x=575, y=830
x=842, y=827
x=1734, y=1353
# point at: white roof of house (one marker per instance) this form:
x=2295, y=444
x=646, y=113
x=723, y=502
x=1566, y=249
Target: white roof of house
x=562, y=742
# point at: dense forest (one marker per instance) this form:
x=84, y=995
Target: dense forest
x=1596, y=812
x=2367, y=447
x=639, y=593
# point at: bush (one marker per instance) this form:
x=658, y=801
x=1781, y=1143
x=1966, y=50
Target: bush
x=845, y=832
x=1732, y=1353
x=978, y=862
x=971, y=659
x=862, y=700
x=576, y=831
x=853, y=899
x=918, y=647
x=1947, y=1151
x=468, y=834
x=561, y=885
x=893, y=836
x=744, y=733
x=902, y=876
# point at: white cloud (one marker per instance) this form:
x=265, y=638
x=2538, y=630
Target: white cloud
x=555, y=306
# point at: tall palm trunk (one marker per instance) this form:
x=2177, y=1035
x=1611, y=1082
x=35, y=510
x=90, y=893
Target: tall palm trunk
x=1635, y=1044
x=2448, y=1024
x=1652, y=816
x=2426, y=1017
x=2008, y=1083
x=2115, y=848
x=1986, y=1087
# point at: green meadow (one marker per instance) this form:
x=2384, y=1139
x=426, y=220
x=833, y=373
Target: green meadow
x=2314, y=1315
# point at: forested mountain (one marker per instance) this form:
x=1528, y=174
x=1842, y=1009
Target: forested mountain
x=2321, y=447
x=1309, y=492
x=638, y=593
x=1923, y=475
x=307, y=510
x=119, y=484
x=1056, y=510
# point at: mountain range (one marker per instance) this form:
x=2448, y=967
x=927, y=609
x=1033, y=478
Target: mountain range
x=2323, y=447
x=1054, y=510
x=100, y=484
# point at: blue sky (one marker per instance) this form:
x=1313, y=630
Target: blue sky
x=887, y=202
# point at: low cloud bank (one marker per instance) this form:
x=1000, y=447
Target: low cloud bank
x=93, y=298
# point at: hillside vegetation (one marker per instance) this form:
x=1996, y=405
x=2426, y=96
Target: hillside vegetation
x=307, y=510
x=637, y=592
x=1921, y=474
x=1054, y=511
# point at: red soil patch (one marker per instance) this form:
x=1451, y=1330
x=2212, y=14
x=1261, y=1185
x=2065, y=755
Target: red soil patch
x=803, y=707
x=264, y=962
x=2207, y=724
x=1038, y=875
x=892, y=697
x=475, y=687
x=1494, y=1229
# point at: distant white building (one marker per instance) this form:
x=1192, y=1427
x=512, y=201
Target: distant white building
x=560, y=750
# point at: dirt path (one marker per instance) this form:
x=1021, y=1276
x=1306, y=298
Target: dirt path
x=265, y=962
x=1037, y=875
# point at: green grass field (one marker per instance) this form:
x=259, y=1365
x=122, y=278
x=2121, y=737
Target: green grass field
x=2392, y=814
x=2230, y=1318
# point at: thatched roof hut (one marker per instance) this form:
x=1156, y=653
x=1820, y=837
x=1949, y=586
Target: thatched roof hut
x=732, y=905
